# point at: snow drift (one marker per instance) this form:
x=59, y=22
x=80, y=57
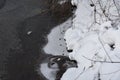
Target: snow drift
x=95, y=41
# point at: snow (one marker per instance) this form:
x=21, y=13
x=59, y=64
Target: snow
x=91, y=43
x=56, y=44
x=47, y=72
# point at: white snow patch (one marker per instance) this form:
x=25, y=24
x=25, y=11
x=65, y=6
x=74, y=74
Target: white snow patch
x=50, y=74
x=56, y=44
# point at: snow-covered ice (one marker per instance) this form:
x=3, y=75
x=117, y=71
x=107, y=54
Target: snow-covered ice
x=56, y=44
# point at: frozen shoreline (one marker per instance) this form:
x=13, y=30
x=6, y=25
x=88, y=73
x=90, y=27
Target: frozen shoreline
x=55, y=46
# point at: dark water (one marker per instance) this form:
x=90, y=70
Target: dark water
x=21, y=53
